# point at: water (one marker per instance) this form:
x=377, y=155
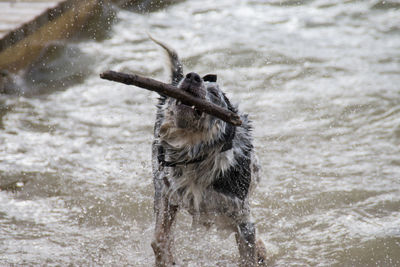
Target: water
x=320, y=80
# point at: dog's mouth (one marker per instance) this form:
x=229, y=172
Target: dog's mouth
x=187, y=115
x=189, y=110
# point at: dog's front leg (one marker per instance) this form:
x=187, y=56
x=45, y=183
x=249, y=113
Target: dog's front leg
x=162, y=243
x=245, y=238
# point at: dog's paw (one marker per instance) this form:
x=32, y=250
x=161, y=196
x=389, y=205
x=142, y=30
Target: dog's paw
x=163, y=257
x=261, y=253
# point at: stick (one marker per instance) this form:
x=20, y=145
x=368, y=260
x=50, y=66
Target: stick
x=172, y=91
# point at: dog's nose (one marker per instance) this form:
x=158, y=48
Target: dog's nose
x=193, y=77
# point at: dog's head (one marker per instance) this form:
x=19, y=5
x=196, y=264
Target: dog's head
x=184, y=124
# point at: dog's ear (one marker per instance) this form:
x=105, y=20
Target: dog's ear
x=210, y=78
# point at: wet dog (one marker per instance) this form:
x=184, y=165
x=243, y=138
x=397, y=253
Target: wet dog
x=202, y=164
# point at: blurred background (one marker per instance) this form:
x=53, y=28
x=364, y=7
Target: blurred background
x=320, y=80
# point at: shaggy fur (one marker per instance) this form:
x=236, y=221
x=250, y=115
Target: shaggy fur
x=202, y=164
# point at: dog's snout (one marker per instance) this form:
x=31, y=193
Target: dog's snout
x=193, y=77
x=193, y=84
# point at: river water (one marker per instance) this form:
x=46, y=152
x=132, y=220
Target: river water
x=321, y=82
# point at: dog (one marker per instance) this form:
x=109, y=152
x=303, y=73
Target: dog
x=202, y=164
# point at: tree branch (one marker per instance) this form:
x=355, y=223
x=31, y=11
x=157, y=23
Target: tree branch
x=172, y=91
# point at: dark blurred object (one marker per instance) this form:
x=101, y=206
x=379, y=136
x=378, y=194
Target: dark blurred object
x=385, y=4
x=10, y=83
x=143, y=6
x=21, y=46
x=40, y=56
x=13, y=186
x=59, y=66
x=98, y=24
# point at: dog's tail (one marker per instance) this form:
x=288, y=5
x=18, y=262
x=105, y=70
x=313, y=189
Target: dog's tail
x=174, y=62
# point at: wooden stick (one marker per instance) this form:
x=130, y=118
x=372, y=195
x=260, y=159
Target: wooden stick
x=172, y=91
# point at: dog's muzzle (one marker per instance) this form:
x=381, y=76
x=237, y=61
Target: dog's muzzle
x=186, y=115
x=194, y=85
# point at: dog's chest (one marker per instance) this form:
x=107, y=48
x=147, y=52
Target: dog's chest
x=197, y=195
x=189, y=186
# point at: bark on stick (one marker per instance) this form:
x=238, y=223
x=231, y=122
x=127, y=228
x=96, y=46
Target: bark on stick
x=172, y=91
